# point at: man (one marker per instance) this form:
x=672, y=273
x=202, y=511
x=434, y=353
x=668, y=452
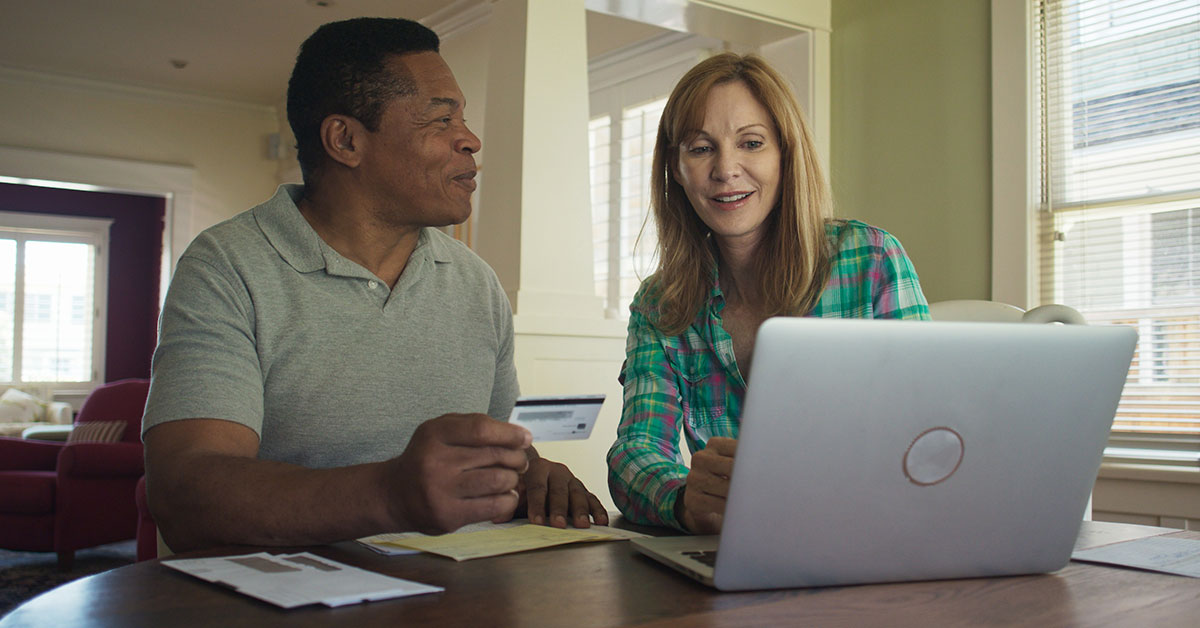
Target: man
x=307, y=341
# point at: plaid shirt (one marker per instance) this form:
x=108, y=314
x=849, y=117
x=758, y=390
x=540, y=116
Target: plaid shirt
x=691, y=382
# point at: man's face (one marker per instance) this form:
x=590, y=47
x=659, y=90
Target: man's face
x=419, y=165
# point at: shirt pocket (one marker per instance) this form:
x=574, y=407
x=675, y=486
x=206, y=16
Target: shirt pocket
x=702, y=391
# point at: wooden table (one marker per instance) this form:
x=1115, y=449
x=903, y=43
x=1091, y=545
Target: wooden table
x=608, y=584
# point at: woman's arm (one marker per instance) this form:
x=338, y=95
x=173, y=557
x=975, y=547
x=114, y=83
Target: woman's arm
x=645, y=469
x=897, y=292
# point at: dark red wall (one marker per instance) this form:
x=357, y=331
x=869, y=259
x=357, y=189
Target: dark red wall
x=134, y=262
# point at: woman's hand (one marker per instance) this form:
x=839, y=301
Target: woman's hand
x=703, y=500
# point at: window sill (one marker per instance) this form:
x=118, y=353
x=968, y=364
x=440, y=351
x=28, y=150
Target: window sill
x=1149, y=473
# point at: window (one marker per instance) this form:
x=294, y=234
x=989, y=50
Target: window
x=623, y=231
x=629, y=89
x=1118, y=227
x=52, y=291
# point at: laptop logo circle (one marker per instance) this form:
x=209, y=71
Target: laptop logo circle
x=933, y=456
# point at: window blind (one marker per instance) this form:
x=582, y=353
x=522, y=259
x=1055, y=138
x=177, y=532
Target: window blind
x=52, y=289
x=600, y=168
x=1118, y=96
x=638, y=232
x=623, y=253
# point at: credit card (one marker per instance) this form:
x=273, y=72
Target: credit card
x=557, y=418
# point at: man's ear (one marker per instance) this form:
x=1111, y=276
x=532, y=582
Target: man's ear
x=342, y=137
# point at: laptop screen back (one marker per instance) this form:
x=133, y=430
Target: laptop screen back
x=874, y=451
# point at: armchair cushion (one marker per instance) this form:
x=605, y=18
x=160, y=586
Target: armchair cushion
x=28, y=455
x=27, y=492
x=97, y=432
x=101, y=460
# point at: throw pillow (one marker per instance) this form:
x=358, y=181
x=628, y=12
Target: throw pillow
x=18, y=406
x=97, y=432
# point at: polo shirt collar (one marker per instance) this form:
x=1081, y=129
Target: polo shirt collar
x=299, y=245
x=287, y=230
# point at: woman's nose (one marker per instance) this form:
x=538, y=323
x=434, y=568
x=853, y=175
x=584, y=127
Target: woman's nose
x=725, y=167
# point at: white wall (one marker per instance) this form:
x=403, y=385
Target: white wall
x=225, y=143
x=467, y=55
x=563, y=346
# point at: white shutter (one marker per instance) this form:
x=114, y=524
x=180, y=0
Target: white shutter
x=638, y=233
x=1118, y=92
x=629, y=88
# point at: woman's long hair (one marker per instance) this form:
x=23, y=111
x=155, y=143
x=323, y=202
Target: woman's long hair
x=793, y=260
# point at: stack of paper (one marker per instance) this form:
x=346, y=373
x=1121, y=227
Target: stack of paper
x=291, y=580
x=482, y=540
x=1156, y=553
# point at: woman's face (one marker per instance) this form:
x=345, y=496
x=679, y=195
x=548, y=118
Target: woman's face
x=730, y=167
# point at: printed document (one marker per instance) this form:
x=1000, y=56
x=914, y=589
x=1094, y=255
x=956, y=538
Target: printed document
x=1165, y=554
x=291, y=580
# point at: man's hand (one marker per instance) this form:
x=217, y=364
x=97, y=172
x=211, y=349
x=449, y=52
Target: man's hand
x=703, y=510
x=552, y=493
x=457, y=469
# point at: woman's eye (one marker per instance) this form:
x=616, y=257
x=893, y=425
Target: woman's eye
x=753, y=144
x=699, y=150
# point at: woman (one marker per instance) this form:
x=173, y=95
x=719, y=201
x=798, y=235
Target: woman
x=744, y=233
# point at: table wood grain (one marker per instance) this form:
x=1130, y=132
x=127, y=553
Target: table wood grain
x=609, y=584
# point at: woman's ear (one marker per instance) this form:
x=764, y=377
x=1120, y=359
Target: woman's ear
x=342, y=137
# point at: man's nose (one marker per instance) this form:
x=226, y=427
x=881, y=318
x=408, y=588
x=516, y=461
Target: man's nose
x=469, y=142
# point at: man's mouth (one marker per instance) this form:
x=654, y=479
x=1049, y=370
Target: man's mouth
x=466, y=179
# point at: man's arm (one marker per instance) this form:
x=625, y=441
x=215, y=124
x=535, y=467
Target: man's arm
x=553, y=495
x=550, y=493
x=207, y=488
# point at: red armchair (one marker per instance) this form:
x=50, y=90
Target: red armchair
x=62, y=497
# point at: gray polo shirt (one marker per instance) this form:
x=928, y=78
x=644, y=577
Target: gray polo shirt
x=266, y=325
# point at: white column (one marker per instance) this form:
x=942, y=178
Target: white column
x=535, y=217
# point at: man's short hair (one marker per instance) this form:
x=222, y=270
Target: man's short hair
x=341, y=69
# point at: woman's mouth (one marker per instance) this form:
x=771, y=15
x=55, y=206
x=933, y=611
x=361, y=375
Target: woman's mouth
x=732, y=200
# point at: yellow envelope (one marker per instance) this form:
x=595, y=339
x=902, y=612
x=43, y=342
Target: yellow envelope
x=468, y=545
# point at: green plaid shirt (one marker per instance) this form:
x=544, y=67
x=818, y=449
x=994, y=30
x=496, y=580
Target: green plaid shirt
x=691, y=382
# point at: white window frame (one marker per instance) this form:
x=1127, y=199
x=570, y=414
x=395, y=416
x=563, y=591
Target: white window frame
x=57, y=228
x=87, y=173
x=174, y=184
x=1015, y=197
x=1014, y=144
x=628, y=77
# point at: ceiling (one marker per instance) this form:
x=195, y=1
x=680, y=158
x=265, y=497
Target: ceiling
x=240, y=50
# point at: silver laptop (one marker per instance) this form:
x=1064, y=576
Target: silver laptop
x=887, y=451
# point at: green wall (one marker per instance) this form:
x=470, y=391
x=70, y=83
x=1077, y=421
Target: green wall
x=911, y=133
